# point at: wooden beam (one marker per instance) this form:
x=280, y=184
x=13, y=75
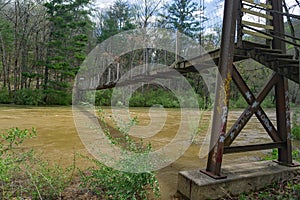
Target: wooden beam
x=267, y=27
x=259, y=4
x=252, y=12
x=257, y=34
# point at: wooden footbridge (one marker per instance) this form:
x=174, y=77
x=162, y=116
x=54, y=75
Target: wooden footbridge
x=270, y=52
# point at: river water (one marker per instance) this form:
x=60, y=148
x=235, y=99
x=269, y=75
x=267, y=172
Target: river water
x=57, y=139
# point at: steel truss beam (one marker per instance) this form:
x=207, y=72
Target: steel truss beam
x=281, y=137
x=220, y=139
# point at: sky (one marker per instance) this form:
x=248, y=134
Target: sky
x=210, y=4
x=213, y=10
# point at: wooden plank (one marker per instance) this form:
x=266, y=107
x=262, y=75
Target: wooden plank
x=257, y=34
x=267, y=27
x=259, y=4
x=252, y=12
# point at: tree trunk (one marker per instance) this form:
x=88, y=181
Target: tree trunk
x=4, y=64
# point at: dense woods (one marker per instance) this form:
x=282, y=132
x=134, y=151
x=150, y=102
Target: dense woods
x=42, y=46
x=43, y=43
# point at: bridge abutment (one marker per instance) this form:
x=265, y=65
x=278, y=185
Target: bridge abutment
x=244, y=177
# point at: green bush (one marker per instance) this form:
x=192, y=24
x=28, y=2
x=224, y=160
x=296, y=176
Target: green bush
x=23, y=175
x=274, y=155
x=103, y=97
x=296, y=125
x=29, y=96
x=268, y=103
x=58, y=97
x=138, y=100
x=4, y=96
x=239, y=103
x=152, y=97
x=115, y=184
x=296, y=132
x=147, y=97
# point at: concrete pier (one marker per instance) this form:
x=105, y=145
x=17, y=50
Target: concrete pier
x=195, y=185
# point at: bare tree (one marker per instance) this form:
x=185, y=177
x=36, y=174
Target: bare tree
x=145, y=10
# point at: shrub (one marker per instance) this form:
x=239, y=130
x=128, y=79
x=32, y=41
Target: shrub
x=115, y=184
x=4, y=96
x=268, y=103
x=58, y=97
x=28, y=96
x=103, y=97
x=239, y=103
x=274, y=155
x=24, y=175
x=296, y=125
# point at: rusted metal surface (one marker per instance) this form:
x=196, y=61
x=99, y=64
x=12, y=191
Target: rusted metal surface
x=259, y=112
x=283, y=120
x=254, y=147
x=220, y=140
x=223, y=87
x=253, y=107
x=281, y=91
x=272, y=56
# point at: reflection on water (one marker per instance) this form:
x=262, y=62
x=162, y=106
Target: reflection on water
x=57, y=138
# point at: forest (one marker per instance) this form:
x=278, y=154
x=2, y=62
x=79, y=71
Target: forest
x=42, y=47
x=43, y=43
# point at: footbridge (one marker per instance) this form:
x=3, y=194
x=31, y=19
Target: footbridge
x=268, y=46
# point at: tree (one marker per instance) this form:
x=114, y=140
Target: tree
x=144, y=10
x=117, y=19
x=66, y=47
x=212, y=40
x=19, y=20
x=181, y=16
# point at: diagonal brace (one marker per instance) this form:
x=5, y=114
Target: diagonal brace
x=254, y=107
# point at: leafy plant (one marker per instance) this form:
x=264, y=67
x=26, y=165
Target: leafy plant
x=274, y=155
x=296, y=125
x=4, y=96
x=28, y=96
x=24, y=174
x=115, y=184
x=45, y=181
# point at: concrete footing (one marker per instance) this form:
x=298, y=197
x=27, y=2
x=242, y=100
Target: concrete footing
x=195, y=185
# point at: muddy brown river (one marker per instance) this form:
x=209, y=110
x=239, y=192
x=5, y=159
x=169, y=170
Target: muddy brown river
x=57, y=139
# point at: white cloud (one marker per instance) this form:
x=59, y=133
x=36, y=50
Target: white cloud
x=103, y=4
x=293, y=9
x=209, y=31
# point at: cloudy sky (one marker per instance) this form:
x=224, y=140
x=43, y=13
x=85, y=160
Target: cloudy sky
x=209, y=4
x=213, y=11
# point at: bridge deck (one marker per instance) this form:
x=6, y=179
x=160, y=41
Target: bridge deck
x=273, y=59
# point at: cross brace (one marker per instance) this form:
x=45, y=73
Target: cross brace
x=281, y=137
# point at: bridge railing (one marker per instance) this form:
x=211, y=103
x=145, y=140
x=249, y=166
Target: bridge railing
x=257, y=18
